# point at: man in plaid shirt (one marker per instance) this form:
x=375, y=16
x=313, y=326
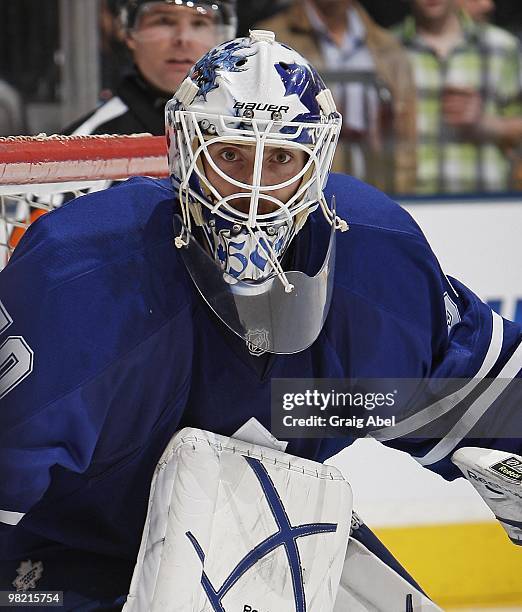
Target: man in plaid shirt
x=469, y=91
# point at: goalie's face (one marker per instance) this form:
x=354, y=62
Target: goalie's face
x=236, y=163
x=251, y=188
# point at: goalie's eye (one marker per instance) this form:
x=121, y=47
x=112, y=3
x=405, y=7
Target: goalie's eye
x=282, y=157
x=229, y=155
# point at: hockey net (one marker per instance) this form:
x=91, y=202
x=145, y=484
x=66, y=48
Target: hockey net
x=39, y=173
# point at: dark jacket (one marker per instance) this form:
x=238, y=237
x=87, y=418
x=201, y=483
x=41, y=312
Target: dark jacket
x=137, y=107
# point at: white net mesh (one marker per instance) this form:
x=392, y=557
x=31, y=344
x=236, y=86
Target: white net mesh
x=37, y=174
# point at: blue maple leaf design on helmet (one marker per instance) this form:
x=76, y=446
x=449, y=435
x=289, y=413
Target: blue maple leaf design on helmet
x=303, y=81
x=222, y=58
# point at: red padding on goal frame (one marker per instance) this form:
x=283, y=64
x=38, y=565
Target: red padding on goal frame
x=26, y=160
x=35, y=150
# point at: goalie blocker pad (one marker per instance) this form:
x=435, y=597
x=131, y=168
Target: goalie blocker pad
x=497, y=476
x=232, y=526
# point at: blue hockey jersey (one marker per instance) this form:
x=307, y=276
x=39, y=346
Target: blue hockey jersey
x=107, y=349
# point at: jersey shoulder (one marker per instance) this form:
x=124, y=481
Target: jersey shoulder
x=384, y=264
x=364, y=206
x=91, y=282
x=97, y=229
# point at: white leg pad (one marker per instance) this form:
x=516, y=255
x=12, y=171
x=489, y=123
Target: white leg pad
x=233, y=526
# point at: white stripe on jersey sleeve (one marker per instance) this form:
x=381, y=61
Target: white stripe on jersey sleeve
x=10, y=518
x=477, y=409
x=110, y=110
x=434, y=411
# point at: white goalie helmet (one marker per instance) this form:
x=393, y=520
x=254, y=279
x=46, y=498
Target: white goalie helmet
x=262, y=97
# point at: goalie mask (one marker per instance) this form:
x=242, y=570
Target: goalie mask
x=251, y=134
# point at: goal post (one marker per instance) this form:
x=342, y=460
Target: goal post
x=36, y=173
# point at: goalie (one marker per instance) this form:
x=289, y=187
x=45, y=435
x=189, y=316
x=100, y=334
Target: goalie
x=131, y=313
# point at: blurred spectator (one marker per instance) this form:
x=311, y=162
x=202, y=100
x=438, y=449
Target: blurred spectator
x=250, y=12
x=469, y=86
x=479, y=10
x=165, y=40
x=12, y=119
x=115, y=57
x=377, y=97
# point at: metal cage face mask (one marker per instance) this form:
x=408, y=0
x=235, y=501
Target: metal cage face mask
x=249, y=227
x=259, y=97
